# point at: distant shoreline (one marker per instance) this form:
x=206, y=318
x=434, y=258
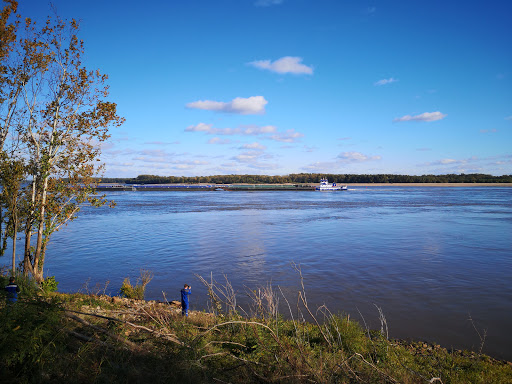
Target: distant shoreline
x=280, y=187
x=430, y=184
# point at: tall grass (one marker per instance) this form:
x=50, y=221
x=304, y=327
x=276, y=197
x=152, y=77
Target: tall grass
x=80, y=338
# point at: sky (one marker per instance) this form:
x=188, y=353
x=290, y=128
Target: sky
x=213, y=87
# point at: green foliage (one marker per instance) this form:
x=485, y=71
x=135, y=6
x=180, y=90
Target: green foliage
x=49, y=284
x=136, y=292
x=29, y=337
x=49, y=134
x=131, y=292
x=39, y=344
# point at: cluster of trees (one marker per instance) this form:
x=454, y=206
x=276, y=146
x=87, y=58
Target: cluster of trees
x=306, y=178
x=53, y=116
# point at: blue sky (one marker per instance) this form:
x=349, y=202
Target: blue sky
x=287, y=86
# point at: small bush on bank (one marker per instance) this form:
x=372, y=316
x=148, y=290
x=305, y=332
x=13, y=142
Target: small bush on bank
x=136, y=292
x=49, y=284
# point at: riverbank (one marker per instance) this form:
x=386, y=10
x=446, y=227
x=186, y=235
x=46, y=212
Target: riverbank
x=80, y=338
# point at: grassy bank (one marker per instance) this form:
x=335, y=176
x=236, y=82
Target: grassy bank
x=84, y=338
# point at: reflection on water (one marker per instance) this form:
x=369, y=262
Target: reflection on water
x=428, y=257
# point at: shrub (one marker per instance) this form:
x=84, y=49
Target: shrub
x=49, y=284
x=29, y=336
x=136, y=292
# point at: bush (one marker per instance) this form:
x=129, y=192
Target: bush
x=49, y=284
x=136, y=292
x=29, y=336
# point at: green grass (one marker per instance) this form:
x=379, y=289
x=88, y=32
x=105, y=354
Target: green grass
x=80, y=338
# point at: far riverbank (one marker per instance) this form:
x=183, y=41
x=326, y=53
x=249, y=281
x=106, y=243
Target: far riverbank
x=430, y=185
x=275, y=187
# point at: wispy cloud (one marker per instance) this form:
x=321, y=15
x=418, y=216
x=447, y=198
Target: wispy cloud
x=287, y=64
x=356, y=157
x=508, y=118
x=161, y=142
x=255, y=159
x=254, y=105
x=385, y=81
x=340, y=162
x=269, y=132
x=267, y=3
x=321, y=166
x=427, y=117
x=254, y=145
x=218, y=140
x=256, y=130
x=452, y=162
x=290, y=136
x=248, y=156
x=243, y=130
x=488, y=130
x=201, y=127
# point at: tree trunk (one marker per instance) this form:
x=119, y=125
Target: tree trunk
x=38, y=269
x=27, y=256
x=15, y=229
x=27, y=263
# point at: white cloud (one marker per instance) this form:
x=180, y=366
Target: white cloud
x=488, y=130
x=265, y=166
x=252, y=130
x=427, y=116
x=201, y=127
x=218, y=140
x=355, y=157
x=385, y=81
x=248, y=156
x=255, y=157
x=448, y=161
x=183, y=166
x=319, y=167
x=224, y=131
x=267, y=3
x=161, y=142
x=255, y=130
x=254, y=145
x=290, y=136
x=508, y=118
x=254, y=105
x=287, y=64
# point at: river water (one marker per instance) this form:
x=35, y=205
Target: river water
x=430, y=257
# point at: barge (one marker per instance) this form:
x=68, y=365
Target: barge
x=204, y=187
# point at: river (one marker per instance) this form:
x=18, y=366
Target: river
x=430, y=258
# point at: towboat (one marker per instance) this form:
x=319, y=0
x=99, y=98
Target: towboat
x=326, y=186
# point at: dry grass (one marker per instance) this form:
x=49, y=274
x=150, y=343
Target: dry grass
x=90, y=338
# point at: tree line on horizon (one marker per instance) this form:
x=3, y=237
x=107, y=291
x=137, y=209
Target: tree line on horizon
x=307, y=178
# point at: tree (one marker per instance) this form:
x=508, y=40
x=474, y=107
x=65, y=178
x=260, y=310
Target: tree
x=57, y=110
x=12, y=174
x=67, y=120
